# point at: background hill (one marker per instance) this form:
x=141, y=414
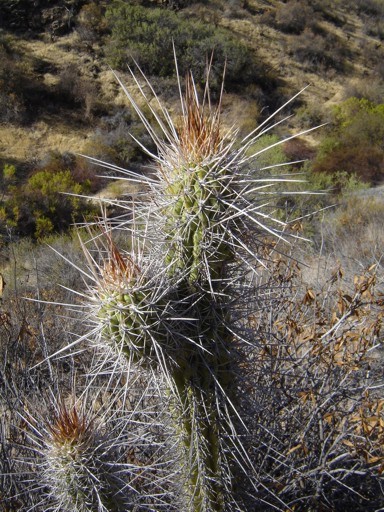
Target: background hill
x=57, y=92
x=59, y=97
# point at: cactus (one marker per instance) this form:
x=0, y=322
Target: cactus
x=88, y=459
x=77, y=461
x=176, y=310
x=72, y=464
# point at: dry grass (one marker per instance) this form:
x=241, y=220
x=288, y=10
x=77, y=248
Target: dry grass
x=349, y=237
x=32, y=143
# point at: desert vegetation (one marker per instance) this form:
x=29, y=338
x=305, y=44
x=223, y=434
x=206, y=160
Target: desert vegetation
x=209, y=336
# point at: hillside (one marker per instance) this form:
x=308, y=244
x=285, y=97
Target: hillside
x=63, y=86
x=59, y=96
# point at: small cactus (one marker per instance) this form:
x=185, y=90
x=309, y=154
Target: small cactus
x=129, y=312
x=78, y=464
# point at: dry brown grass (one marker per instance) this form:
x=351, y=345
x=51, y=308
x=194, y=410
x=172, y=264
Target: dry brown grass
x=33, y=142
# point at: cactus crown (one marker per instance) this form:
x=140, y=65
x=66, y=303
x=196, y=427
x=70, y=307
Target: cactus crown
x=199, y=127
x=70, y=427
x=119, y=271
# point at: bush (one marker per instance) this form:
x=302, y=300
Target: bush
x=39, y=207
x=298, y=149
x=326, y=51
x=270, y=158
x=76, y=90
x=354, y=230
x=90, y=22
x=12, y=107
x=371, y=7
x=375, y=27
x=371, y=89
x=354, y=144
x=50, y=209
x=310, y=115
x=146, y=35
x=368, y=165
x=113, y=139
x=329, y=10
x=294, y=16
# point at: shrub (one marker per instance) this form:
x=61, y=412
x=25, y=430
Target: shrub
x=368, y=165
x=354, y=144
x=327, y=51
x=371, y=89
x=371, y=7
x=40, y=207
x=12, y=107
x=90, y=22
x=354, y=230
x=310, y=115
x=298, y=149
x=146, y=35
x=379, y=69
x=44, y=190
x=375, y=27
x=117, y=140
x=329, y=10
x=294, y=16
x=270, y=158
x=74, y=89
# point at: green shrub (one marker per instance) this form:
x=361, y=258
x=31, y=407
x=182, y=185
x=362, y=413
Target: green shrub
x=9, y=172
x=336, y=184
x=273, y=156
x=40, y=206
x=146, y=36
x=44, y=226
x=354, y=143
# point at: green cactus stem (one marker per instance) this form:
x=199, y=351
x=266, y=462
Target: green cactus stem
x=130, y=309
x=196, y=240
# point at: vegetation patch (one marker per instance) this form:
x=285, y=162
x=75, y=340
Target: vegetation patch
x=146, y=36
x=354, y=143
